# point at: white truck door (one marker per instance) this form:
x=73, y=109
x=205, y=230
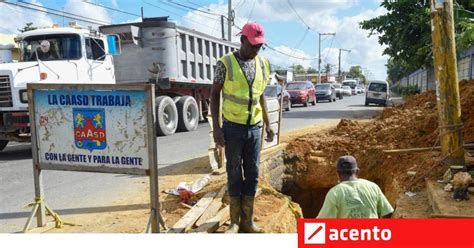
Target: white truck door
x=101, y=69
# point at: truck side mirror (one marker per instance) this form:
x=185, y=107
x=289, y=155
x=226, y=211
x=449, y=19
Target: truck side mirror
x=112, y=45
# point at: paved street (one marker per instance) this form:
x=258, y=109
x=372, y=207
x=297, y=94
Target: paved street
x=68, y=191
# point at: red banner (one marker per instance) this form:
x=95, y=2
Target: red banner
x=368, y=233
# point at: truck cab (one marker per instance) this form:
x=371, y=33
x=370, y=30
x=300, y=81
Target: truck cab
x=51, y=55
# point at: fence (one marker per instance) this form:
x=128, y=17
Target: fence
x=424, y=78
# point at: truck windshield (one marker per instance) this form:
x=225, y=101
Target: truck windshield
x=51, y=47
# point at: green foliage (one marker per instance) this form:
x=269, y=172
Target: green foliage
x=356, y=72
x=405, y=30
x=28, y=27
x=466, y=38
x=311, y=70
x=298, y=69
x=405, y=91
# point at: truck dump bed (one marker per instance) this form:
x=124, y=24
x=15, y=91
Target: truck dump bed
x=156, y=50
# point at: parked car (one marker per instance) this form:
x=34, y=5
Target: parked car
x=301, y=92
x=378, y=92
x=276, y=91
x=325, y=92
x=339, y=91
x=346, y=90
x=358, y=89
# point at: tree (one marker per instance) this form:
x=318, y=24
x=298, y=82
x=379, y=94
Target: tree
x=356, y=72
x=405, y=30
x=298, y=69
x=28, y=27
x=311, y=70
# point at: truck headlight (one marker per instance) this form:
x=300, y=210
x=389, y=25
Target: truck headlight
x=23, y=96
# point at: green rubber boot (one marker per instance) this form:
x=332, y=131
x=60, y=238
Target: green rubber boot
x=235, y=209
x=246, y=223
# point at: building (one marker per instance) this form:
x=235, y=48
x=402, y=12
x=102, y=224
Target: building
x=7, y=44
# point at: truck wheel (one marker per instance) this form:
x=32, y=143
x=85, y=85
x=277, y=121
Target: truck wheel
x=3, y=144
x=166, y=116
x=188, y=114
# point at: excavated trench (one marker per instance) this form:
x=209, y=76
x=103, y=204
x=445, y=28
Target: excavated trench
x=307, y=178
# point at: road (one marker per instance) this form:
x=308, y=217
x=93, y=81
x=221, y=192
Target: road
x=72, y=192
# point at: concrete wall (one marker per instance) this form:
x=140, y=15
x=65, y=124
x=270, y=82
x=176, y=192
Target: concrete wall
x=425, y=80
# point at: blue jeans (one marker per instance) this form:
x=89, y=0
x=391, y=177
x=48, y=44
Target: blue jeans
x=242, y=151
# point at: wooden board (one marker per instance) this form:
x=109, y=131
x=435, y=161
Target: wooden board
x=213, y=207
x=211, y=225
x=192, y=215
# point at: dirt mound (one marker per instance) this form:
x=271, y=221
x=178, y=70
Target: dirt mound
x=467, y=108
x=311, y=159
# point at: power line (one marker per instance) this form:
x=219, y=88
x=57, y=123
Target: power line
x=192, y=8
x=286, y=54
x=251, y=10
x=20, y=11
x=186, y=10
x=298, y=44
x=330, y=47
x=191, y=20
x=56, y=14
x=71, y=15
x=110, y=8
x=294, y=10
x=197, y=5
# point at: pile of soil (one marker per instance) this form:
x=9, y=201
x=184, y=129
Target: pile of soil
x=310, y=160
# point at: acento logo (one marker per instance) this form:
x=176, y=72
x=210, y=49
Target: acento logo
x=315, y=233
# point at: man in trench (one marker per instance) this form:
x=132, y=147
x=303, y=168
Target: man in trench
x=241, y=77
x=354, y=197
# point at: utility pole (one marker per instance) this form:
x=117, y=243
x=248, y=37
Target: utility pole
x=319, y=55
x=222, y=27
x=447, y=86
x=339, y=79
x=230, y=19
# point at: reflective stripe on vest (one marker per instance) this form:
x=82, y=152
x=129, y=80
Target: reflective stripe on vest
x=238, y=106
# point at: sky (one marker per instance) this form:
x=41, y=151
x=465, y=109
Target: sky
x=291, y=26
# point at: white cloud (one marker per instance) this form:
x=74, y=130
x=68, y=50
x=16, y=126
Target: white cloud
x=21, y=17
x=281, y=60
x=321, y=16
x=78, y=7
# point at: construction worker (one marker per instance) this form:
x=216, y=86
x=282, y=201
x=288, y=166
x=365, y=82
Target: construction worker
x=241, y=77
x=354, y=197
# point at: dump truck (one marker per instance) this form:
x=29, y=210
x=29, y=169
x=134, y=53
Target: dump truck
x=50, y=55
x=179, y=61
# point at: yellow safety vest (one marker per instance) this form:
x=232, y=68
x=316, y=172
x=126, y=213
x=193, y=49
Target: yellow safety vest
x=241, y=101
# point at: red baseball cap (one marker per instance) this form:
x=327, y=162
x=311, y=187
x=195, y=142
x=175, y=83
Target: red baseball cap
x=254, y=33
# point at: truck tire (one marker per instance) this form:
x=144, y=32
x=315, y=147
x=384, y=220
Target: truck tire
x=3, y=144
x=188, y=114
x=166, y=116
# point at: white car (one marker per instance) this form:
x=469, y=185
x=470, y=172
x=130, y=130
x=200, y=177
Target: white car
x=346, y=90
x=378, y=92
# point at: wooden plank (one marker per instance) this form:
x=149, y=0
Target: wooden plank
x=213, y=207
x=422, y=149
x=192, y=215
x=211, y=225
